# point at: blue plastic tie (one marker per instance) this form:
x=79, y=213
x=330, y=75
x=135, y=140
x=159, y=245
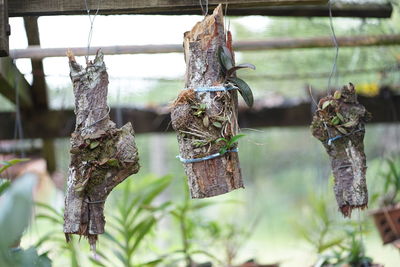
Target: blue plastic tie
x=330, y=140
x=214, y=89
x=213, y=156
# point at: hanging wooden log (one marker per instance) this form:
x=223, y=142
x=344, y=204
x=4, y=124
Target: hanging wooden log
x=206, y=122
x=102, y=156
x=339, y=123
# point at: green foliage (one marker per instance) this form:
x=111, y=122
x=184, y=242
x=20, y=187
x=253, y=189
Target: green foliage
x=4, y=184
x=229, y=69
x=334, y=241
x=229, y=237
x=228, y=143
x=319, y=224
x=132, y=221
x=391, y=182
x=8, y=163
x=184, y=214
x=350, y=252
x=15, y=213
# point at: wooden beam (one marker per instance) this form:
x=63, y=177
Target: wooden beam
x=162, y=7
x=4, y=28
x=39, y=88
x=339, y=9
x=11, y=80
x=57, y=123
x=36, y=52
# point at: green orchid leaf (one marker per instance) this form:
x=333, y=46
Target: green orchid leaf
x=350, y=124
x=217, y=124
x=335, y=120
x=244, y=90
x=7, y=164
x=240, y=66
x=234, y=139
x=225, y=58
x=326, y=104
x=94, y=144
x=340, y=116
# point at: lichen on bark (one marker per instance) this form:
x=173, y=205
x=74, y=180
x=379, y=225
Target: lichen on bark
x=339, y=123
x=202, y=118
x=102, y=156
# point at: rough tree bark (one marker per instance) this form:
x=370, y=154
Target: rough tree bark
x=339, y=123
x=201, y=118
x=102, y=156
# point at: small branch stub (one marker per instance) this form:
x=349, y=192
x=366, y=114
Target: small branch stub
x=339, y=123
x=102, y=156
x=206, y=121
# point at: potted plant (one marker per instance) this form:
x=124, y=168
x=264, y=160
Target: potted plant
x=387, y=218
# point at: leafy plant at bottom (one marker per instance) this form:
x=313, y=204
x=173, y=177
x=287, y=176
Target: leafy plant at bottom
x=15, y=213
x=319, y=225
x=55, y=239
x=391, y=183
x=188, y=223
x=351, y=252
x=229, y=69
x=231, y=236
x=132, y=221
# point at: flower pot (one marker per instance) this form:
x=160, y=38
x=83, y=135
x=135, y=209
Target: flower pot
x=387, y=220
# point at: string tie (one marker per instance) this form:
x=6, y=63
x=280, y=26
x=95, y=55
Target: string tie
x=212, y=156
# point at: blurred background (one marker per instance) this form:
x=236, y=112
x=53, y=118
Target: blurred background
x=286, y=215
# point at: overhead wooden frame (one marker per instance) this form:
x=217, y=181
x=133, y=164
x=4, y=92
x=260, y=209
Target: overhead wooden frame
x=60, y=123
x=161, y=7
x=4, y=28
x=36, y=52
x=13, y=84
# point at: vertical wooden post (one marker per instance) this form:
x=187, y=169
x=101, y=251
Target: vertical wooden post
x=202, y=119
x=4, y=28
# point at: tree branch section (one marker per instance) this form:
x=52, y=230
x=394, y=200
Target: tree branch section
x=201, y=118
x=339, y=123
x=102, y=156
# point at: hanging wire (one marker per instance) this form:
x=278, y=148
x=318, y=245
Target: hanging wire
x=205, y=8
x=91, y=19
x=334, y=67
x=225, y=19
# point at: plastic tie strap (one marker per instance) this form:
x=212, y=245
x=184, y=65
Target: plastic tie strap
x=330, y=140
x=213, y=156
x=219, y=88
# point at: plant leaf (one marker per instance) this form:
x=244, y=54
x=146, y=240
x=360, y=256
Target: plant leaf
x=244, y=90
x=234, y=139
x=217, y=124
x=326, y=104
x=7, y=164
x=240, y=66
x=4, y=184
x=16, y=207
x=225, y=58
x=94, y=144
